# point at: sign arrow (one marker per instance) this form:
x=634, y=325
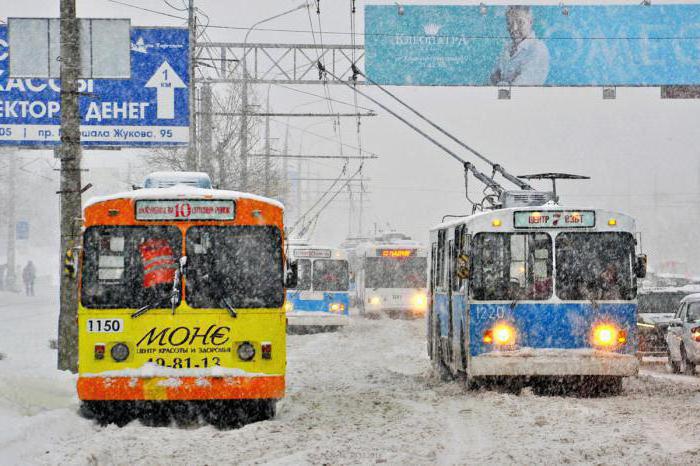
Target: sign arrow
x=165, y=80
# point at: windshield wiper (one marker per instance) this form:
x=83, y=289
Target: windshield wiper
x=148, y=307
x=231, y=311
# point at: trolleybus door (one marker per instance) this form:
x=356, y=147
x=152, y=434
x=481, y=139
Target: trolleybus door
x=460, y=271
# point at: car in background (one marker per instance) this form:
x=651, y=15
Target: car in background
x=656, y=307
x=683, y=336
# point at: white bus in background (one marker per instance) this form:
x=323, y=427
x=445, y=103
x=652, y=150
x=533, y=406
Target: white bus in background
x=391, y=277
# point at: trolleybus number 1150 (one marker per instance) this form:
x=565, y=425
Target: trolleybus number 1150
x=105, y=325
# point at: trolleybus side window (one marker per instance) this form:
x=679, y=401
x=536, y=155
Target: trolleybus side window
x=595, y=266
x=129, y=266
x=451, y=279
x=238, y=264
x=304, y=274
x=510, y=266
x=440, y=265
x=330, y=275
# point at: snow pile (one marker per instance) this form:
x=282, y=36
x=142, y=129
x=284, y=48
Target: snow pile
x=150, y=369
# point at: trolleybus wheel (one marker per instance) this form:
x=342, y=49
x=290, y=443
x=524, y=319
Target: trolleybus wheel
x=119, y=413
x=153, y=413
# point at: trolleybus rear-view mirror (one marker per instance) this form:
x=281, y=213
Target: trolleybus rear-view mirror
x=640, y=266
x=292, y=275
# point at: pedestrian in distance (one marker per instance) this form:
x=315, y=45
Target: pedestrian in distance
x=3, y=268
x=28, y=277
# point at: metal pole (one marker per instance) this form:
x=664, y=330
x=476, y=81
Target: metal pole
x=70, y=154
x=192, y=147
x=267, y=145
x=11, y=281
x=206, y=131
x=243, y=133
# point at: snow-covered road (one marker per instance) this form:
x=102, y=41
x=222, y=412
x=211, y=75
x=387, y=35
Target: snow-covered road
x=361, y=396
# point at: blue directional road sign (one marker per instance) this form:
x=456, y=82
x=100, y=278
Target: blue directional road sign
x=22, y=229
x=150, y=109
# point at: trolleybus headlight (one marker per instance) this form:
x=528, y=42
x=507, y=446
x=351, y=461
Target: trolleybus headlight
x=608, y=336
x=119, y=352
x=374, y=300
x=246, y=351
x=336, y=307
x=288, y=306
x=501, y=335
x=420, y=300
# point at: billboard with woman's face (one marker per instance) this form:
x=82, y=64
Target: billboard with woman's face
x=521, y=45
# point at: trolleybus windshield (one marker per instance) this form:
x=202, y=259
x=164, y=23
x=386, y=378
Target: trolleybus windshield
x=241, y=265
x=595, y=266
x=331, y=275
x=512, y=266
x=129, y=266
x=396, y=272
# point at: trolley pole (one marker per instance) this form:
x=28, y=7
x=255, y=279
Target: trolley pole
x=69, y=153
x=192, y=147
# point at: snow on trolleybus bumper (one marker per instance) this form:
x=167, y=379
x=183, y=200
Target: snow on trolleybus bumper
x=553, y=362
x=157, y=383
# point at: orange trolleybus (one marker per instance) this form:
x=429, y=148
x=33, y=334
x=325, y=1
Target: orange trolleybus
x=181, y=306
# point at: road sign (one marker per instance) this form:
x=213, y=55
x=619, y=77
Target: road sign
x=150, y=109
x=22, y=229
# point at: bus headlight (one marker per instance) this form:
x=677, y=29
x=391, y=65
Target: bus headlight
x=608, y=336
x=288, y=306
x=420, y=300
x=374, y=300
x=336, y=307
x=501, y=334
x=246, y=351
x=119, y=352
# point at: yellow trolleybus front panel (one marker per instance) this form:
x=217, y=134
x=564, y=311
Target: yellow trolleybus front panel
x=182, y=297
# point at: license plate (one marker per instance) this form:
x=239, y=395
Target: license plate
x=105, y=325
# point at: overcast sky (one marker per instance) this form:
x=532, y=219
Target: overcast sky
x=641, y=152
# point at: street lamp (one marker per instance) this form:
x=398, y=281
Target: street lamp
x=243, y=135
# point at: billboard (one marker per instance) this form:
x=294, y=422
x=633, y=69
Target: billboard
x=487, y=45
x=148, y=109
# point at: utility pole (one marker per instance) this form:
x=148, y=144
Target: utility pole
x=69, y=153
x=243, y=130
x=192, y=147
x=11, y=281
x=205, y=161
x=267, y=146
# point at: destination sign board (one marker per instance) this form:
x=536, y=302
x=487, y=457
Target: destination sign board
x=554, y=219
x=149, y=109
x=396, y=252
x=194, y=209
x=313, y=253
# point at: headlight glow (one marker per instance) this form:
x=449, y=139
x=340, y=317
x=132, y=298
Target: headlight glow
x=288, y=306
x=374, y=300
x=420, y=300
x=501, y=334
x=608, y=336
x=336, y=307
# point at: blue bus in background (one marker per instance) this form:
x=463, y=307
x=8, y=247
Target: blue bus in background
x=541, y=296
x=321, y=300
